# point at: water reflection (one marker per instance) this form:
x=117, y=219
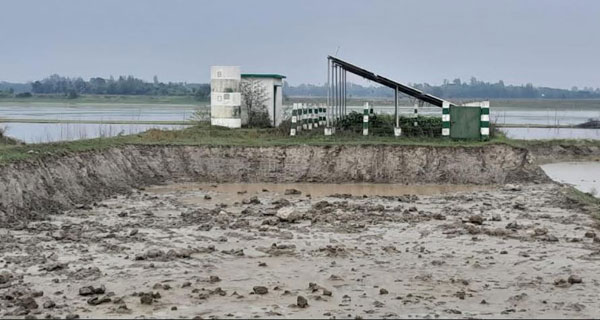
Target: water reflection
x=550, y=133
x=584, y=176
x=53, y=132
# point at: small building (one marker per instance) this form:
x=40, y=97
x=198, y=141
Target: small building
x=273, y=84
x=225, y=96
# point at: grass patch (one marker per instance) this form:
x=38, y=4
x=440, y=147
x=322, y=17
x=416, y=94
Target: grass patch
x=203, y=134
x=585, y=200
x=5, y=140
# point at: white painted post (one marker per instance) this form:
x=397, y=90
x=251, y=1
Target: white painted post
x=366, y=120
x=485, y=120
x=446, y=119
x=327, y=120
x=294, y=119
x=322, y=114
x=416, y=112
x=309, y=116
x=304, y=117
x=397, y=131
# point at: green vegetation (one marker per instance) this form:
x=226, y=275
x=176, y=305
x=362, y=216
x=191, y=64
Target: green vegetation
x=254, y=103
x=383, y=125
x=4, y=140
x=585, y=200
x=204, y=134
x=124, y=85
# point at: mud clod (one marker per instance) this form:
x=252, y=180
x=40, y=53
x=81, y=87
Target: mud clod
x=289, y=192
x=573, y=279
x=260, y=290
x=301, y=302
x=89, y=290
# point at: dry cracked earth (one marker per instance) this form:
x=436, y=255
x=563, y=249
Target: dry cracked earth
x=298, y=251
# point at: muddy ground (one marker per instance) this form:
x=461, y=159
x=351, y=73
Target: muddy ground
x=298, y=251
x=30, y=189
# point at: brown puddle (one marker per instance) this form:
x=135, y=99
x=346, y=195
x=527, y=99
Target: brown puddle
x=319, y=189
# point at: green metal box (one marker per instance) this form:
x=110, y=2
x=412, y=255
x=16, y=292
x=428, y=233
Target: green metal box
x=465, y=122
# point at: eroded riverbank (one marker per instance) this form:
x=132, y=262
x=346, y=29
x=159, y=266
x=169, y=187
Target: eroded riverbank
x=31, y=189
x=216, y=251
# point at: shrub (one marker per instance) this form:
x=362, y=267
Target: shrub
x=72, y=95
x=258, y=119
x=23, y=95
x=7, y=140
x=254, y=99
x=284, y=127
x=383, y=125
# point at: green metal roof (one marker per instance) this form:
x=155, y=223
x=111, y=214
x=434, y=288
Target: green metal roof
x=262, y=75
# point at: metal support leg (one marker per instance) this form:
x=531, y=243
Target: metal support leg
x=328, y=96
x=397, y=129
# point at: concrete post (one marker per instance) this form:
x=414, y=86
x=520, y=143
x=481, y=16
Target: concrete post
x=310, y=116
x=326, y=117
x=485, y=120
x=304, y=117
x=397, y=129
x=300, y=118
x=366, y=120
x=321, y=115
x=294, y=119
x=446, y=119
x=416, y=112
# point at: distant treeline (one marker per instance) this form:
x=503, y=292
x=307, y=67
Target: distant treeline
x=129, y=85
x=455, y=89
x=123, y=85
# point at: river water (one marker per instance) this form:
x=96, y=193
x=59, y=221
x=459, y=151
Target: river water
x=51, y=132
x=48, y=132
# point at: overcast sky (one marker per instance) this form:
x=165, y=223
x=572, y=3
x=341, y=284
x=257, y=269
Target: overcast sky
x=548, y=43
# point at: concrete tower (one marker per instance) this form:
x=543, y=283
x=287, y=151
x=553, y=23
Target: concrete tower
x=225, y=96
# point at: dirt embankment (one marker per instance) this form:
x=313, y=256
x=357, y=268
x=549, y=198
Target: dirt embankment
x=30, y=189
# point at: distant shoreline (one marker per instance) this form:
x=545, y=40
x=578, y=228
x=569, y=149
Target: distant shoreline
x=108, y=99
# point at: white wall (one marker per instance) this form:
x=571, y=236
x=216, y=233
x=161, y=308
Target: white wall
x=225, y=96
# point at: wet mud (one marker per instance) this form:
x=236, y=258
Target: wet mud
x=300, y=250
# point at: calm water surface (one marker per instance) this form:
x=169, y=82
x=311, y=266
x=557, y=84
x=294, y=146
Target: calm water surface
x=585, y=176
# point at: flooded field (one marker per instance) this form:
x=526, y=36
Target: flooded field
x=302, y=250
x=53, y=132
x=584, y=176
x=50, y=132
x=550, y=133
x=549, y=113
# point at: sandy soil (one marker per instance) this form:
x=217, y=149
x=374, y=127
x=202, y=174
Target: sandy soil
x=251, y=250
